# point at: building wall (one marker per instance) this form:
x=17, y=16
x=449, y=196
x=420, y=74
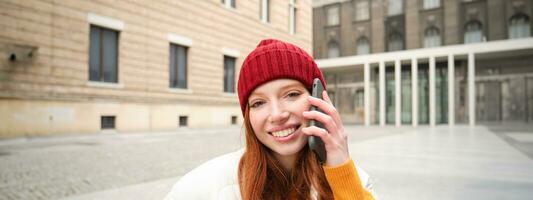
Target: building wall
x=50, y=92
x=450, y=18
x=40, y=117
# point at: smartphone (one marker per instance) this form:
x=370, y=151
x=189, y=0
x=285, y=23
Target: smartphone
x=315, y=143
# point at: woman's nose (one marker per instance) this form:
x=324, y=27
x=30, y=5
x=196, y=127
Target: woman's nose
x=278, y=114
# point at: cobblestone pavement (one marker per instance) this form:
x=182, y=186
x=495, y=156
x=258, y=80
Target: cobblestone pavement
x=56, y=167
x=405, y=163
x=62, y=166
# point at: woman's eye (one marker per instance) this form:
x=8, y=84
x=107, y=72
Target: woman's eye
x=256, y=104
x=293, y=94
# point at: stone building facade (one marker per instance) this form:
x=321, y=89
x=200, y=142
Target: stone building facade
x=124, y=66
x=357, y=29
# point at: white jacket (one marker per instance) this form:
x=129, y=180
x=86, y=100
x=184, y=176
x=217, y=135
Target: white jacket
x=216, y=179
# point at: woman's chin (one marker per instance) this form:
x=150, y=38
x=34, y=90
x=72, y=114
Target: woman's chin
x=292, y=149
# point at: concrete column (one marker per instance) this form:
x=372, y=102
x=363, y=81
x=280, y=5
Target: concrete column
x=414, y=91
x=451, y=89
x=432, y=91
x=367, y=93
x=471, y=90
x=382, y=93
x=398, y=92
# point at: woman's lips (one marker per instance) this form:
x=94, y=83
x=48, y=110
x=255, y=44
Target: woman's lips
x=285, y=135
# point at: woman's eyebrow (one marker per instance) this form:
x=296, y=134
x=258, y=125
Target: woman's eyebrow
x=255, y=94
x=283, y=88
x=289, y=86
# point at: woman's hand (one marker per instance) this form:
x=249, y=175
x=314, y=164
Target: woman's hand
x=334, y=137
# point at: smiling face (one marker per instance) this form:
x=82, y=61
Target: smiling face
x=276, y=109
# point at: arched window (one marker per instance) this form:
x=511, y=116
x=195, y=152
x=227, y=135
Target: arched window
x=519, y=26
x=363, y=46
x=473, y=32
x=432, y=37
x=333, y=50
x=395, y=42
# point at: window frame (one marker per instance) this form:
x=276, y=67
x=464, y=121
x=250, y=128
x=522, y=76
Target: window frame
x=466, y=31
x=437, y=35
x=400, y=10
x=359, y=42
x=230, y=4
x=292, y=16
x=229, y=82
x=100, y=52
x=108, y=122
x=513, y=26
x=401, y=39
x=357, y=9
x=234, y=120
x=431, y=4
x=264, y=11
x=174, y=66
x=330, y=44
x=183, y=121
x=338, y=15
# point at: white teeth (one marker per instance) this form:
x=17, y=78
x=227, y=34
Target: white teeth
x=283, y=133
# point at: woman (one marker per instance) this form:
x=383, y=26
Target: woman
x=273, y=88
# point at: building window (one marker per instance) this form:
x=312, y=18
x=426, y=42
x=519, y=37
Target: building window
x=429, y=4
x=360, y=98
x=432, y=37
x=395, y=42
x=265, y=11
x=333, y=50
x=107, y=122
x=233, y=120
x=229, y=3
x=229, y=74
x=473, y=32
x=363, y=46
x=182, y=121
x=519, y=26
x=292, y=16
x=178, y=66
x=103, y=55
x=333, y=16
x=395, y=7
x=361, y=10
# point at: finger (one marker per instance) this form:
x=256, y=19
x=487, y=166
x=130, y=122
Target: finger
x=328, y=122
x=319, y=132
x=326, y=98
x=327, y=108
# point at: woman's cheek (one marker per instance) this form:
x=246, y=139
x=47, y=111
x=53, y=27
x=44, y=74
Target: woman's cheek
x=257, y=120
x=303, y=104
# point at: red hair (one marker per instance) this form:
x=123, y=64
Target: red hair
x=261, y=176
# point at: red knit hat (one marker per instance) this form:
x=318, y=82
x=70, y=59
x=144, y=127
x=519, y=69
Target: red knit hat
x=273, y=59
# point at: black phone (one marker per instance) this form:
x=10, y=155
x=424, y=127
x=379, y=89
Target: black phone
x=315, y=143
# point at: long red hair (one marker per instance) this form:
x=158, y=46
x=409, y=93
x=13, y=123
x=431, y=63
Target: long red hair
x=261, y=176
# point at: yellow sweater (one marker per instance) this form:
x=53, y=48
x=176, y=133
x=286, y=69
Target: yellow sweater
x=344, y=182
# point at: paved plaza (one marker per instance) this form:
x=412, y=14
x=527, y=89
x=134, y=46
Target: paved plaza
x=406, y=163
